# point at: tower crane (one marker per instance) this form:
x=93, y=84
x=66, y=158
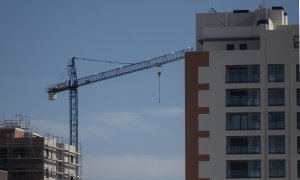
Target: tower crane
x=73, y=83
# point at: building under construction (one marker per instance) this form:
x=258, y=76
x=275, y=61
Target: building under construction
x=26, y=155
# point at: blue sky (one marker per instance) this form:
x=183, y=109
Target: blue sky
x=125, y=132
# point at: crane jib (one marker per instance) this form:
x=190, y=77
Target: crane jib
x=155, y=62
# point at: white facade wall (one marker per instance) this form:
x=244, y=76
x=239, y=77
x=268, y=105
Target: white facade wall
x=274, y=46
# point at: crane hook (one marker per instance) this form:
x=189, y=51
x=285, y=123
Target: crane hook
x=159, y=74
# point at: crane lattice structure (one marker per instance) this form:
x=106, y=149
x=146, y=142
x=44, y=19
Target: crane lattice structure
x=73, y=83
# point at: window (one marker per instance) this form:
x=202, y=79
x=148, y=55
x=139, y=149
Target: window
x=230, y=46
x=243, y=121
x=276, y=72
x=276, y=120
x=242, y=74
x=298, y=144
x=276, y=97
x=298, y=120
x=243, y=46
x=242, y=97
x=298, y=97
x=243, y=145
x=277, y=168
x=298, y=168
x=276, y=144
x=297, y=73
x=243, y=169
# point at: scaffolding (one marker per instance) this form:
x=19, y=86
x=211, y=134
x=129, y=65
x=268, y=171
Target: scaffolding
x=27, y=155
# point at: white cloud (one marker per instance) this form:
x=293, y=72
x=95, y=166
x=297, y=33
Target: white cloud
x=56, y=127
x=107, y=125
x=165, y=112
x=142, y=167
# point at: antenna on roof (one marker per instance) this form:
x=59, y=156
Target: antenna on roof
x=213, y=10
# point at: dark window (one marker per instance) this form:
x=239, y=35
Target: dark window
x=276, y=144
x=296, y=42
x=242, y=74
x=276, y=120
x=276, y=96
x=298, y=97
x=242, y=97
x=276, y=72
x=243, y=46
x=243, y=121
x=298, y=144
x=298, y=120
x=243, y=169
x=230, y=46
x=298, y=164
x=277, y=168
x=243, y=145
x=297, y=73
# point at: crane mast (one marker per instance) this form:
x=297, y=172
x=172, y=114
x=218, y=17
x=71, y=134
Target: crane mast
x=73, y=83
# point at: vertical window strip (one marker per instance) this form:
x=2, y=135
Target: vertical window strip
x=297, y=73
x=298, y=120
x=298, y=97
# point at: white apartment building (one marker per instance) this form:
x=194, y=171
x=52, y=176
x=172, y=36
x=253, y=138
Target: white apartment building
x=243, y=97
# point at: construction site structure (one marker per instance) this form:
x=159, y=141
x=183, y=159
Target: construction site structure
x=26, y=155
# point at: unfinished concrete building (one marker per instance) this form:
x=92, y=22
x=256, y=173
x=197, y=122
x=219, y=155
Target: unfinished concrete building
x=26, y=155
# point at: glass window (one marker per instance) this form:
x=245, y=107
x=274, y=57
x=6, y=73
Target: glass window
x=242, y=74
x=298, y=120
x=276, y=72
x=298, y=97
x=298, y=164
x=276, y=144
x=243, y=169
x=242, y=97
x=298, y=144
x=230, y=46
x=276, y=96
x=243, y=145
x=277, y=168
x=297, y=73
x=276, y=120
x=243, y=121
x=243, y=46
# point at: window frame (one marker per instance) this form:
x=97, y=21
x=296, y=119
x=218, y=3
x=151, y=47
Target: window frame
x=248, y=145
x=276, y=97
x=298, y=120
x=275, y=146
x=276, y=73
x=245, y=169
x=230, y=47
x=243, y=97
x=277, y=122
x=243, y=121
x=243, y=46
x=242, y=73
x=276, y=168
x=298, y=96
